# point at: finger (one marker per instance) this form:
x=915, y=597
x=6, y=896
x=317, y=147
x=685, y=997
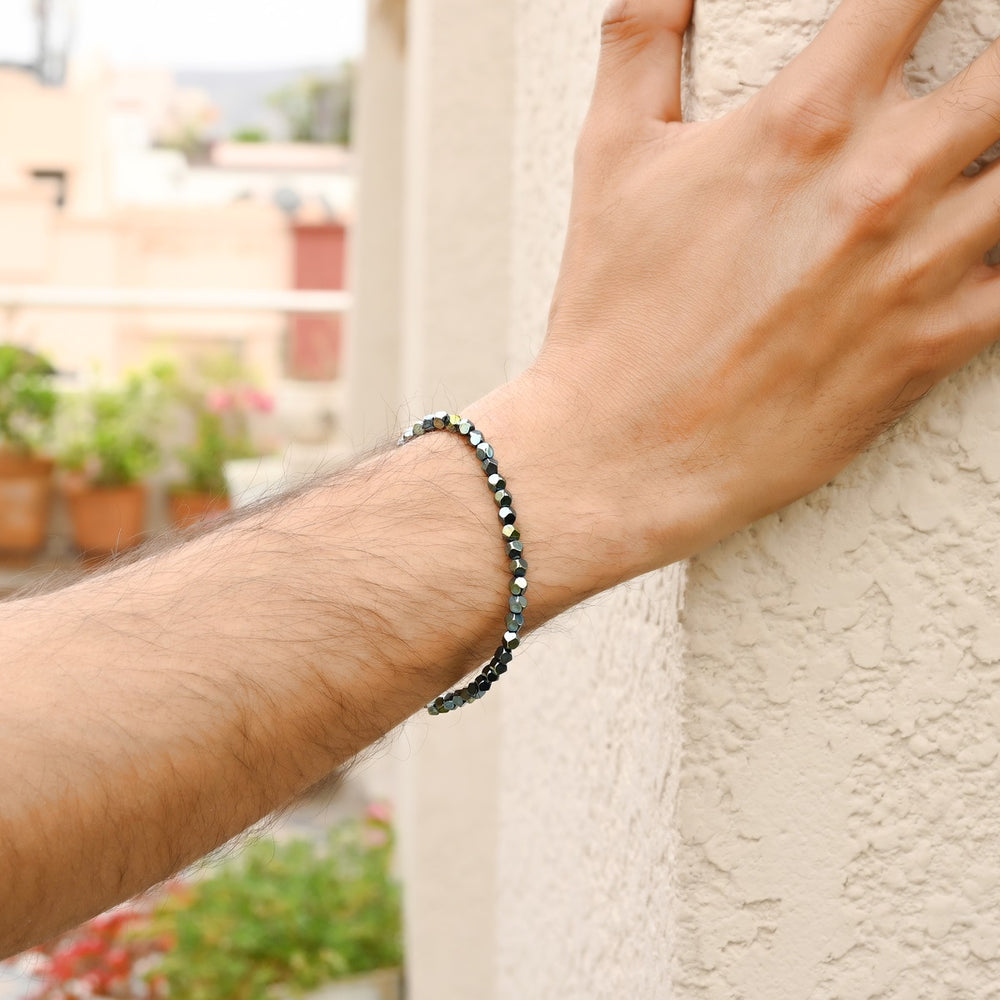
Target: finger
x=978, y=313
x=639, y=73
x=874, y=38
x=970, y=215
x=964, y=114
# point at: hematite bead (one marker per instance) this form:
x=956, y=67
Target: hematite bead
x=428, y=423
x=454, y=420
x=484, y=451
x=440, y=420
x=439, y=704
x=475, y=438
x=517, y=603
x=497, y=482
x=432, y=710
x=418, y=429
x=511, y=533
x=490, y=674
x=519, y=566
x=490, y=466
x=514, y=548
x=458, y=698
x=518, y=585
x=507, y=515
x=500, y=668
x=503, y=498
x=483, y=683
x=466, y=427
x=511, y=640
x=515, y=621
x=503, y=655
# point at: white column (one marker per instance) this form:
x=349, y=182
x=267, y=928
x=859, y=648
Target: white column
x=456, y=238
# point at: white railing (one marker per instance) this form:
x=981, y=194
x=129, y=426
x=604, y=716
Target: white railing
x=195, y=299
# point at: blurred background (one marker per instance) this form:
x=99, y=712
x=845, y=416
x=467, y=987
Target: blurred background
x=177, y=189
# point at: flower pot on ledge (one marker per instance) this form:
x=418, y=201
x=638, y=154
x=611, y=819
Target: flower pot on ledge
x=25, y=493
x=106, y=519
x=190, y=507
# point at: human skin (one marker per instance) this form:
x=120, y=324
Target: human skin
x=151, y=713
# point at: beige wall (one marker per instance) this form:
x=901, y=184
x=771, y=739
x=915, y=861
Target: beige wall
x=772, y=774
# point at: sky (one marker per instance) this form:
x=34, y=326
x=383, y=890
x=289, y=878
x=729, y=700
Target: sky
x=201, y=34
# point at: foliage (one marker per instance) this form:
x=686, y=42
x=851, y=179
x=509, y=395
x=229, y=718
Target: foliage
x=215, y=405
x=105, y=957
x=111, y=436
x=290, y=913
x=317, y=107
x=27, y=399
x=250, y=133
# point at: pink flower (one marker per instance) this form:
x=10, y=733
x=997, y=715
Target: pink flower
x=379, y=812
x=262, y=402
x=219, y=400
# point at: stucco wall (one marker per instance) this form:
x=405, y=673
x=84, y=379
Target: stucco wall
x=767, y=775
x=839, y=814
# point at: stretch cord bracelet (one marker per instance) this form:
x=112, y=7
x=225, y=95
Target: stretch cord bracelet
x=513, y=546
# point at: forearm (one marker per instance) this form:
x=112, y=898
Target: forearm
x=151, y=713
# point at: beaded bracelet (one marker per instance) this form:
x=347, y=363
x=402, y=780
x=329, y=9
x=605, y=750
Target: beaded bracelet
x=513, y=546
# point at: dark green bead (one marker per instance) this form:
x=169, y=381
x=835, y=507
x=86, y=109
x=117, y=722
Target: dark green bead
x=459, y=699
x=511, y=640
x=514, y=548
x=490, y=674
x=517, y=603
x=475, y=438
x=518, y=585
x=431, y=710
x=519, y=566
x=497, y=482
x=511, y=533
x=500, y=668
x=483, y=683
x=439, y=704
x=503, y=655
x=418, y=429
x=515, y=621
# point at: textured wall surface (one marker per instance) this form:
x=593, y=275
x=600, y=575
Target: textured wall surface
x=838, y=813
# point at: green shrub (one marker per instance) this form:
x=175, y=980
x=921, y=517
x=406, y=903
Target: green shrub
x=296, y=914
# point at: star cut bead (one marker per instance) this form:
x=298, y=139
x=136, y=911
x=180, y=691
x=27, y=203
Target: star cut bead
x=475, y=438
x=511, y=533
x=518, y=585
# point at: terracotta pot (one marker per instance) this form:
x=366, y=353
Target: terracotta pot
x=25, y=494
x=106, y=518
x=188, y=507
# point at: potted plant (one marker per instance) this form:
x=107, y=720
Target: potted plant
x=220, y=405
x=27, y=408
x=111, y=445
x=290, y=918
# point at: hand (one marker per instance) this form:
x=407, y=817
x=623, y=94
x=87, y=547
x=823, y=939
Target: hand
x=745, y=304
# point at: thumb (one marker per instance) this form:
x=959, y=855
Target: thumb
x=639, y=73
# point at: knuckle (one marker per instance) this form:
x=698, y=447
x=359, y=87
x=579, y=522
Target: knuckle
x=805, y=124
x=873, y=199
